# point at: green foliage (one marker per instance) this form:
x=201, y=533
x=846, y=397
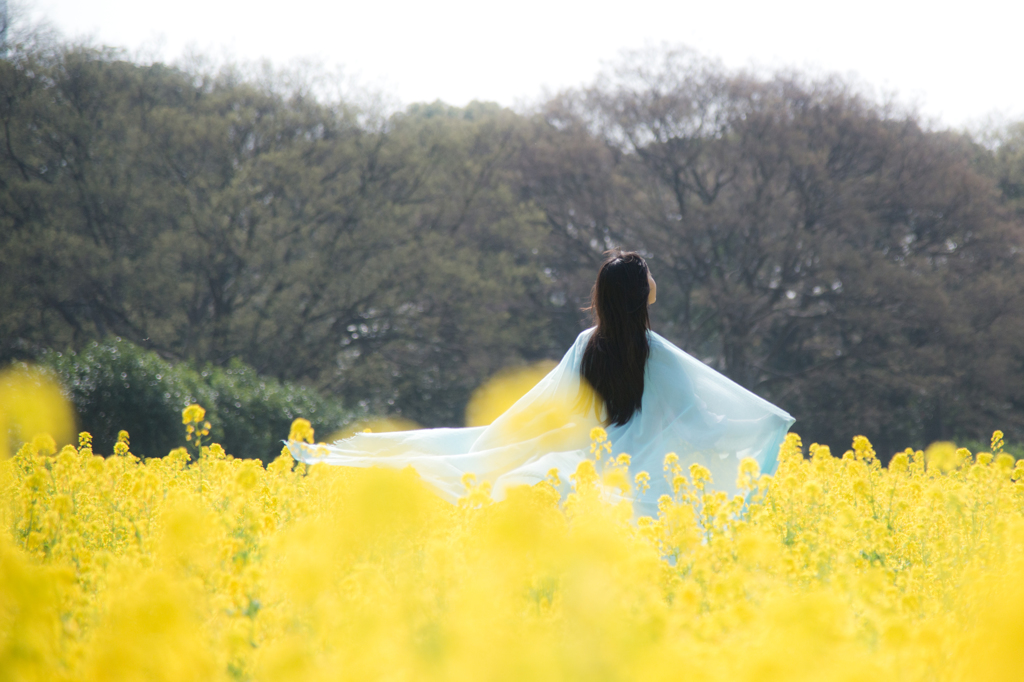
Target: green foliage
x=116, y=384
x=254, y=413
x=210, y=217
x=826, y=251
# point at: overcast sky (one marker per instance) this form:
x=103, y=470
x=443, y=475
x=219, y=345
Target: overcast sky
x=958, y=62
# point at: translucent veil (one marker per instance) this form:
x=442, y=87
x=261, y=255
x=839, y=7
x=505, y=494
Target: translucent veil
x=687, y=408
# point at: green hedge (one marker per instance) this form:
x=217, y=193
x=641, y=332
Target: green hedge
x=118, y=385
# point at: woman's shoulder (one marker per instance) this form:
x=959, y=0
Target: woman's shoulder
x=656, y=340
x=663, y=350
x=584, y=335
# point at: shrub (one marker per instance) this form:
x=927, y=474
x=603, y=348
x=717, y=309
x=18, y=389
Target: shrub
x=255, y=413
x=116, y=384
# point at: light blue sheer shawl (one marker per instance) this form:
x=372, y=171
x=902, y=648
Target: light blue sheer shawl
x=687, y=408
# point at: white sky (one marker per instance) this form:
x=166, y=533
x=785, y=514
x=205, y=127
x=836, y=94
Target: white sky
x=958, y=62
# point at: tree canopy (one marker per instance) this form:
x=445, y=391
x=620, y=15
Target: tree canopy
x=825, y=250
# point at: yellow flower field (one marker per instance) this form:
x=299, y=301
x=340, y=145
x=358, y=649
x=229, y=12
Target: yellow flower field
x=201, y=566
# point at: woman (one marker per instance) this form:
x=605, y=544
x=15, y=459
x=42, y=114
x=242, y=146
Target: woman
x=652, y=397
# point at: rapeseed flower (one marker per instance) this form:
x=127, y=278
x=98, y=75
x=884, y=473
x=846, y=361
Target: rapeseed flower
x=200, y=565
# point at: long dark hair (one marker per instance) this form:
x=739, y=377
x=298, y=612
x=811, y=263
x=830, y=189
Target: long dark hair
x=616, y=355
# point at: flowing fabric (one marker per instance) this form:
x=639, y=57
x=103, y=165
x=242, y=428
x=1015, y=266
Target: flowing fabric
x=687, y=408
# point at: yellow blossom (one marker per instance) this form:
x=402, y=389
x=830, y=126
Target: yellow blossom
x=214, y=567
x=192, y=414
x=301, y=431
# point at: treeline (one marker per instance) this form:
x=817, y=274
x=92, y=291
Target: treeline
x=826, y=251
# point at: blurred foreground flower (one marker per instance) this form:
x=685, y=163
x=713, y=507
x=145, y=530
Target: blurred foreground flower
x=31, y=403
x=376, y=425
x=498, y=394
